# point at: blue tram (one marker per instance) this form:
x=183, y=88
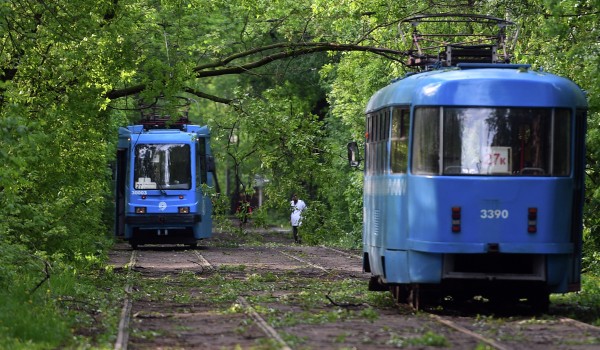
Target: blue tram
x=474, y=185
x=163, y=173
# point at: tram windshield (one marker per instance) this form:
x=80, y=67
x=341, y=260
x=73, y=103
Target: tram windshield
x=491, y=141
x=162, y=167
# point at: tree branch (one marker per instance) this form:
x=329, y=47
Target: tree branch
x=128, y=91
x=294, y=50
x=286, y=50
x=208, y=96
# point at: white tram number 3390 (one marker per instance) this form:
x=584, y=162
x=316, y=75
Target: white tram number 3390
x=493, y=214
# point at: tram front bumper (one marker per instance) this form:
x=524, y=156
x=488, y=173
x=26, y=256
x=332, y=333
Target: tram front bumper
x=164, y=219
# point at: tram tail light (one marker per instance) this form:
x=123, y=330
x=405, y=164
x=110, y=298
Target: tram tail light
x=140, y=210
x=456, y=216
x=532, y=214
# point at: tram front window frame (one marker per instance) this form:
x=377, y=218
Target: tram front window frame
x=162, y=167
x=484, y=141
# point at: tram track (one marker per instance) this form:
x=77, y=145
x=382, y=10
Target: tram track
x=123, y=330
x=151, y=313
x=269, y=331
x=513, y=328
x=297, y=258
x=123, y=327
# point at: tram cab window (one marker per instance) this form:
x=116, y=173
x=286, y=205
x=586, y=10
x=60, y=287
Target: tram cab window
x=426, y=144
x=162, y=166
x=492, y=141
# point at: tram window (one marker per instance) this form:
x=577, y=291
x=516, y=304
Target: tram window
x=426, y=141
x=562, y=143
x=162, y=166
x=399, y=146
x=378, y=125
x=493, y=141
x=375, y=126
x=369, y=128
x=385, y=130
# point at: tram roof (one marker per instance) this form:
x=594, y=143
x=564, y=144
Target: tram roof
x=138, y=132
x=471, y=85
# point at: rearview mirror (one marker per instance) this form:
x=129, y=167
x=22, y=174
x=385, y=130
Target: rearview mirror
x=353, y=154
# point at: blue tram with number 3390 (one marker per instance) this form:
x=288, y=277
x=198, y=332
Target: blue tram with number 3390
x=474, y=184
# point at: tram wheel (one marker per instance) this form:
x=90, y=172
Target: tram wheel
x=414, y=297
x=540, y=302
x=376, y=285
x=420, y=297
x=400, y=293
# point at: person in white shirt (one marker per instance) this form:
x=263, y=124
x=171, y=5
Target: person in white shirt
x=298, y=206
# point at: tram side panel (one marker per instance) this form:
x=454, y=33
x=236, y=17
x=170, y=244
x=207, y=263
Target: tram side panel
x=385, y=235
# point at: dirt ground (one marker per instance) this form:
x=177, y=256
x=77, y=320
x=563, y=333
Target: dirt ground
x=258, y=290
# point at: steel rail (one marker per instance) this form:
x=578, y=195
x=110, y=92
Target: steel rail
x=123, y=329
x=348, y=254
x=453, y=325
x=203, y=262
x=266, y=328
x=270, y=331
x=304, y=261
x=579, y=324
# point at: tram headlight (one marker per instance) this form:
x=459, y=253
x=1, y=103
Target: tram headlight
x=140, y=210
x=184, y=210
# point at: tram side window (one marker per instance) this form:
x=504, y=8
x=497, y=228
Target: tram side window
x=562, y=143
x=368, y=136
x=399, y=137
x=378, y=125
x=384, y=128
x=426, y=141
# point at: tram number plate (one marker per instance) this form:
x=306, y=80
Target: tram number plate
x=493, y=214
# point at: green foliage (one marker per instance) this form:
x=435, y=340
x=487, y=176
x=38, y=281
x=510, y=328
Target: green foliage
x=288, y=122
x=583, y=305
x=28, y=322
x=45, y=305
